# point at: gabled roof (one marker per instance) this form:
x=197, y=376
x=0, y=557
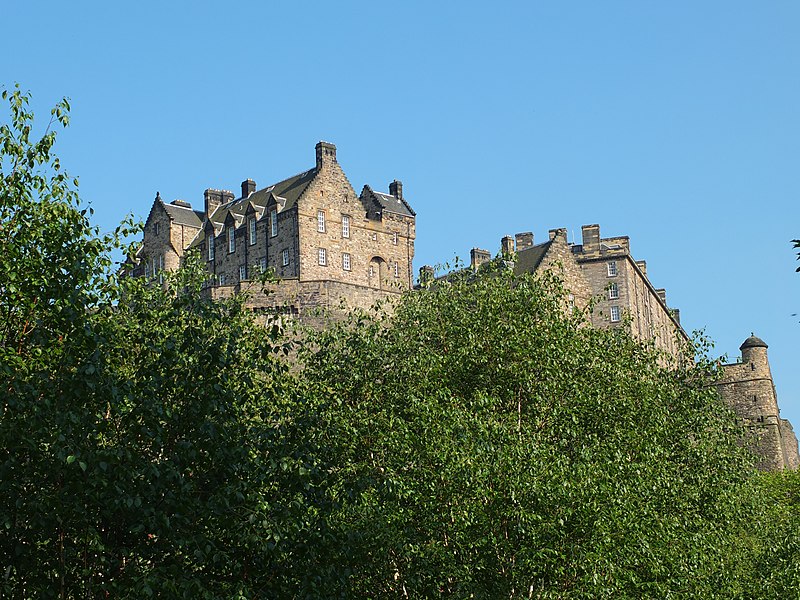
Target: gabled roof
x=390, y=203
x=183, y=215
x=528, y=260
x=289, y=189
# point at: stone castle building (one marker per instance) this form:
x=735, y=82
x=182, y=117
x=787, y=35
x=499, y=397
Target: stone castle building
x=326, y=243
x=329, y=245
x=604, y=271
x=747, y=386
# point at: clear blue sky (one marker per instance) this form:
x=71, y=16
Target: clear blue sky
x=677, y=124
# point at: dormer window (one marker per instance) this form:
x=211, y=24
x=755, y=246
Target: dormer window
x=231, y=239
x=210, y=242
x=252, y=229
x=321, y=221
x=273, y=222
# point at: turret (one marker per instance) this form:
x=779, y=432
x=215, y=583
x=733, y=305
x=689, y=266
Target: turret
x=754, y=353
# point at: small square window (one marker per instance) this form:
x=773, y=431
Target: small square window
x=345, y=261
x=321, y=221
x=613, y=291
x=242, y=272
x=252, y=226
x=285, y=256
x=273, y=222
x=322, y=256
x=615, y=314
x=345, y=226
x=612, y=268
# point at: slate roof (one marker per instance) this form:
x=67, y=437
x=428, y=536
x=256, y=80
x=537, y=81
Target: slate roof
x=289, y=190
x=183, y=215
x=392, y=204
x=753, y=342
x=528, y=260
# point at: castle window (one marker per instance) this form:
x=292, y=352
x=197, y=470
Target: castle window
x=322, y=257
x=321, y=221
x=210, y=242
x=613, y=291
x=160, y=262
x=612, y=268
x=345, y=261
x=285, y=256
x=252, y=224
x=263, y=264
x=615, y=314
x=242, y=272
x=156, y=228
x=273, y=222
x=222, y=279
x=396, y=270
x=394, y=238
x=371, y=271
x=345, y=226
x=231, y=239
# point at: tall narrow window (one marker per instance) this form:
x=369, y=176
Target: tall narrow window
x=210, y=242
x=322, y=256
x=321, y=221
x=252, y=225
x=345, y=226
x=242, y=272
x=231, y=239
x=394, y=238
x=345, y=261
x=613, y=291
x=615, y=314
x=273, y=222
x=285, y=257
x=156, y=228
x=222, y=279
x=612, y=268
x=396, y=269
x=263, y=264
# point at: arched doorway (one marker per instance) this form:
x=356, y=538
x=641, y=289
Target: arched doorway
x=378, y=273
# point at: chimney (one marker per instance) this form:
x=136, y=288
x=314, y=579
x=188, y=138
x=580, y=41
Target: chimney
x=326, y=154
x=213, y=199
x=478, y=256
x=591, y=238
x=524, y=240
x=181, y=203
x=396, y=189
x=559, y=231
x=642, y=264
x=425, y=275
x=676, y=314
x=507, y=245
x=226, y=196
x=662, y=293
x=248, y=187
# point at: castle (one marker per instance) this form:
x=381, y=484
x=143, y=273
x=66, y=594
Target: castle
x=331, y=247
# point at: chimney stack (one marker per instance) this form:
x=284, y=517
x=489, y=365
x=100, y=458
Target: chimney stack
x=477, y=257
x=642, y=264
x=213, y=199
x=524, y=240
x=396, y=189
x=507, y=245
x=425, y=275
x=326, y=154
x=591, y=238
x=248, y=187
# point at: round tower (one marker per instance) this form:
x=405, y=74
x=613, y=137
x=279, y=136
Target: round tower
x=754, y=353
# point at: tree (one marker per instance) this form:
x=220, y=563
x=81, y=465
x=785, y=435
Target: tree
x=151, y=441
x=494, y=445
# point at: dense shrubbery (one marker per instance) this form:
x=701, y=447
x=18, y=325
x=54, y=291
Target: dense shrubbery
x=482, y=442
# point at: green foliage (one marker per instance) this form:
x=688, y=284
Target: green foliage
x=496, y=446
